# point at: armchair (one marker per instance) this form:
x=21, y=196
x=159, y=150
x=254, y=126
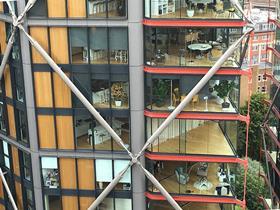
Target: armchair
x=182, y=176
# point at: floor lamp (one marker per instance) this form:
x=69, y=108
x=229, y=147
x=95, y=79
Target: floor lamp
x=171, y=107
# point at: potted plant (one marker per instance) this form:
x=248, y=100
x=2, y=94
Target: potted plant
x=118, y=93
x=223, y=89
x=190, y=10
x=160, y=92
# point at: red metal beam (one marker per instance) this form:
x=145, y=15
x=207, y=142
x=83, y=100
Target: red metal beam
x=272, y=135
x=275, y=22
x=273, y=163
x=274, y=109
x=192, y=71
x=265, y=205
x=199, y=116
x=194, y=23
x=197, y=198
x=195, y=158
x=275, y=81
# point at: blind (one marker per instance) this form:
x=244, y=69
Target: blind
x=49, y=162
x=98, y=38
x=122, y=203
x=119, y=165
x=78, y=37
x=118, y=38
x=103, y=170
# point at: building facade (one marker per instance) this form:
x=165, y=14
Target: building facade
x=135, y=61
x=270, y=148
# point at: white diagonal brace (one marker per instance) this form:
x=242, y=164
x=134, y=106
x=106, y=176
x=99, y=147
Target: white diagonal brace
x=109, y=188
x=76, y=91
x=8, y=190
x=194, y=91
x=237, y=5
x=161, y=188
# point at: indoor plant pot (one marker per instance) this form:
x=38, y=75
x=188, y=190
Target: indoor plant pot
x=190, y=10
x=223, y=89
x=118, y=93
x=160, y=91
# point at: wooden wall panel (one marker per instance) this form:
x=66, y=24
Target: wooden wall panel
x=1, y=7
x=15, y=161
x=85, y=202
x=43, y=89
x=62, y=93
x=86, y=174
x=2, y=37
x=70, y=203
x=56, y=8
x=65, y=133
x=76, y=8
x=67, y=173
x=59, y=44
x=46, y=131
x=1, y=189
x=8, y=83
x=11, y=120
x=41, y=36
x=19, y=196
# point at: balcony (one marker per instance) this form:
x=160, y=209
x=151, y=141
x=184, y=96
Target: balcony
x=191, y=47
x=165, y=92
x=193, y=9
x=164, y=205
x=196, y=178
x=195, y=137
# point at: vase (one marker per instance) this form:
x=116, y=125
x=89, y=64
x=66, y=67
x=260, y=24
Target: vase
x=190, y=13
x=118, y=103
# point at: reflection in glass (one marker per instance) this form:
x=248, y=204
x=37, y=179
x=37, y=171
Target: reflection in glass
x=22, y=126
x=106, y=8
x=2, y=118
x=100, y=93
x=116, y=8
x=190, y=46
x=83, y=131
x=97, y=8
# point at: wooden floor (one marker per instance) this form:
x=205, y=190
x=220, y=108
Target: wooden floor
x=205, y=14
x=188, y=206
x=113, y=105
x=82, y=143
x=172, y=185
x=206, y=139
x=78, y=59
x=212, y=106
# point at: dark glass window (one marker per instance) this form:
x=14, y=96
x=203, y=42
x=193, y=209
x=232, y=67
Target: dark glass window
x=98, y=45
x=22, y=126
x=118, y=45
x=26, y=165
x=79, y=45
x=106, y=8
x=2, y=117
x=6, y=154
x=39, y=9
x=52, y=202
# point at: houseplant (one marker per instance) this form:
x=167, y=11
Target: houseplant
x=118, y=93
x=160, y=92
x=223, y=89
x=190, y=10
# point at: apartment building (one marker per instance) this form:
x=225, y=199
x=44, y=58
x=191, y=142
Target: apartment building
x=270, y=148
x=135, y=61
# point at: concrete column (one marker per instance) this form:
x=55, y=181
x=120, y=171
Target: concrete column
x=31, y=116
x=136, y=74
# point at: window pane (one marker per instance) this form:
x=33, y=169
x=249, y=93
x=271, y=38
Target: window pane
x=125, y=182
x=83, y=132
x=79, y=45
x=52, y=202
x=118, y=45
x=100, y=92
x=22, y=126
x=39, y=9
x=121, y=127
x=97, y=8
x=116, y=8
x=27, y=166
x=123, y=204
x=119, y=95
x=98, y=45
x=104, y=174
x=2, y=118
x=50, y=172
x=101, y=137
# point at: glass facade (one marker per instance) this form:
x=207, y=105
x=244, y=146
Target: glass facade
x=194, y=137
x=98, y=9
x=186, y=9
x=165, y=92
x=195, y=47
x=196, y=178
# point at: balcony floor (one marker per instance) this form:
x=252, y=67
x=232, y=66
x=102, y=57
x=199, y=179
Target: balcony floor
x=188, y=206
x=212, y=106
x=206, y=139
x=170, y=183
